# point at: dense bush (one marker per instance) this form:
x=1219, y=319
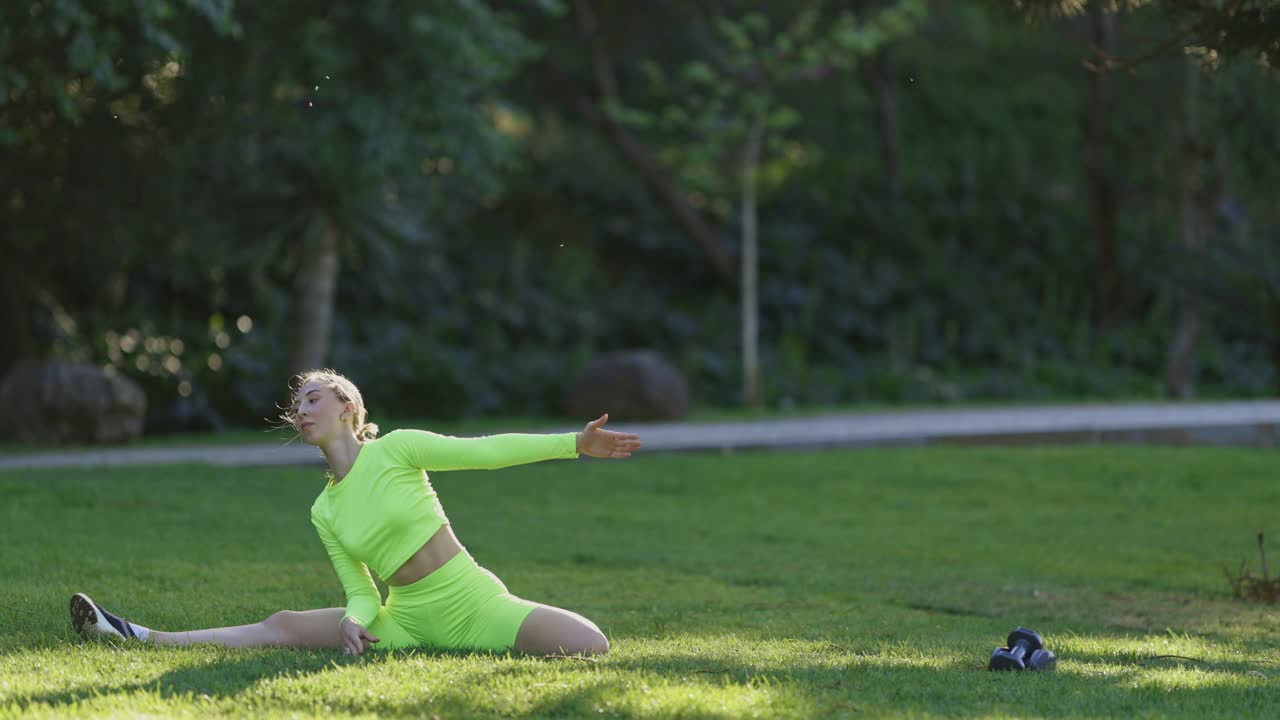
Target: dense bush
x=483, y=289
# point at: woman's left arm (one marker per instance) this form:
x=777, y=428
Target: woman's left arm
x=432, y=451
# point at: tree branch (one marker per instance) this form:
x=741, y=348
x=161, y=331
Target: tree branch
x=1111, y=65
x=605, y=79
x=638, y=156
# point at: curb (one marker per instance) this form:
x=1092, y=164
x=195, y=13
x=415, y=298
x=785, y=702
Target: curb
x=1250, y=423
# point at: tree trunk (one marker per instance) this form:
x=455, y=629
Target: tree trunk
x=315, y=290
x=17, y=344
x=1180, y=372
x=750, y=267
x=1102, y=191
x=1275, y=342
x=878, y=76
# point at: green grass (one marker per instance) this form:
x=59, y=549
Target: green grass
x=801, y=585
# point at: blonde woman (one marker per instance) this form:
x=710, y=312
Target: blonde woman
x=379, y=511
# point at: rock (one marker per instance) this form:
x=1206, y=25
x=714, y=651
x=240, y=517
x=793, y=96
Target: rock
x=64, y=403
x=629, y=385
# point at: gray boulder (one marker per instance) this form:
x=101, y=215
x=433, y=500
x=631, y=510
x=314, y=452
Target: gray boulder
x=64, y=403
x=629, y=385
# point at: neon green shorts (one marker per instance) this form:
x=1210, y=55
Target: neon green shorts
x=460, y=606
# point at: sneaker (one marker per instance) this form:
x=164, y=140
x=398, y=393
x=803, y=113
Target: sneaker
x=90, y=620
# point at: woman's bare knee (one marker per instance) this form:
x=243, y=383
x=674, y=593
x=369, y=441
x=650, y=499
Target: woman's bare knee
x=584, y=641
x=596, y=644
x=306, y=628
x=279, y=618
x=278, y=629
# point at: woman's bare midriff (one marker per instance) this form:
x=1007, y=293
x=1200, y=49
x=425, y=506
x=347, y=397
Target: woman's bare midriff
x=439, y=550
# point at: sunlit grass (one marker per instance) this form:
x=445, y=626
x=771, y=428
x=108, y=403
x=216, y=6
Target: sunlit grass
x=836, y=584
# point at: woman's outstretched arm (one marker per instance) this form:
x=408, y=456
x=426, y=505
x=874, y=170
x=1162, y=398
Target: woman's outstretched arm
x=432, y=451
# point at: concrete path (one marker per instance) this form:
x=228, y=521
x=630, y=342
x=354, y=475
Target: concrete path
x=1253, y=423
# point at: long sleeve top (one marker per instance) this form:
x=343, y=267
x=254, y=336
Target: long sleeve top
x=385, y=509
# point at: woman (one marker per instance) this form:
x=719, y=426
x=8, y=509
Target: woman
x=379, y=511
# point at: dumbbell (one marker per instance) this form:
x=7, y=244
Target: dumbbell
x=1026, y=650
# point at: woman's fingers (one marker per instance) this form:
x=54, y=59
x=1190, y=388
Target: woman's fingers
x=355, y=646
x=617, y=445
x=356, y=643
x=353, y=634
x=607, y=443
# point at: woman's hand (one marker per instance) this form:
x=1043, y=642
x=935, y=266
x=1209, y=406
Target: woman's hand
x=355, y=638
x=606, y=443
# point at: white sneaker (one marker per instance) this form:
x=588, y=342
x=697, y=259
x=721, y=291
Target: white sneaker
x=90, y=620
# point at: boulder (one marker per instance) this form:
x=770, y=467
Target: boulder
x=59, y=402
x=630, y=385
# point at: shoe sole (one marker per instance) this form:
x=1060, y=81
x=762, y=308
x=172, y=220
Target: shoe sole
x=85, y=618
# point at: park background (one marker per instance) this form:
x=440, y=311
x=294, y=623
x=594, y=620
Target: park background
x=461, y=205
x=797, y=206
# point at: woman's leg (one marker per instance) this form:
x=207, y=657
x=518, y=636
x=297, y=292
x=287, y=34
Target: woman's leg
x=464, y=606
x=287, y=628
x=553, y=631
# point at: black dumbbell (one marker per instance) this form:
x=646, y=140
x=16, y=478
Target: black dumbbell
x=1026, y=650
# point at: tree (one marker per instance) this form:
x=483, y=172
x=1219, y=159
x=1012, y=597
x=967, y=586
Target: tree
x=345, y=135
x=1202, y=181
x=597, y=101
x=1096, y=148
x=1228, y=28
x=68, y=72
x=731, y=104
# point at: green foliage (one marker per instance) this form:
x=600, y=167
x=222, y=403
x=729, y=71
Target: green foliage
x=378, y=145
x=1236, y=277
x=493, y=240
x=975, y=285
x=70, y=53
x=709, y=103
x=238, y=156
x=1231, y=29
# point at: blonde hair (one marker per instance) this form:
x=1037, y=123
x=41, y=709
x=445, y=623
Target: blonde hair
x=346, y=392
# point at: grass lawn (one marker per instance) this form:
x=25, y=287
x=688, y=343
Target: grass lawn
x=807, y=585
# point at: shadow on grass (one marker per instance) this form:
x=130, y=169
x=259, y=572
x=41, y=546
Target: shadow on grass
x=224, y=678
x=830, y=680
x=231, y=677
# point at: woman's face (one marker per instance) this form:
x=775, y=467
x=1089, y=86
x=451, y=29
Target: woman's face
x=319, y=413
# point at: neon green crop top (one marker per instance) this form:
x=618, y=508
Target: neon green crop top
x=385, y=508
